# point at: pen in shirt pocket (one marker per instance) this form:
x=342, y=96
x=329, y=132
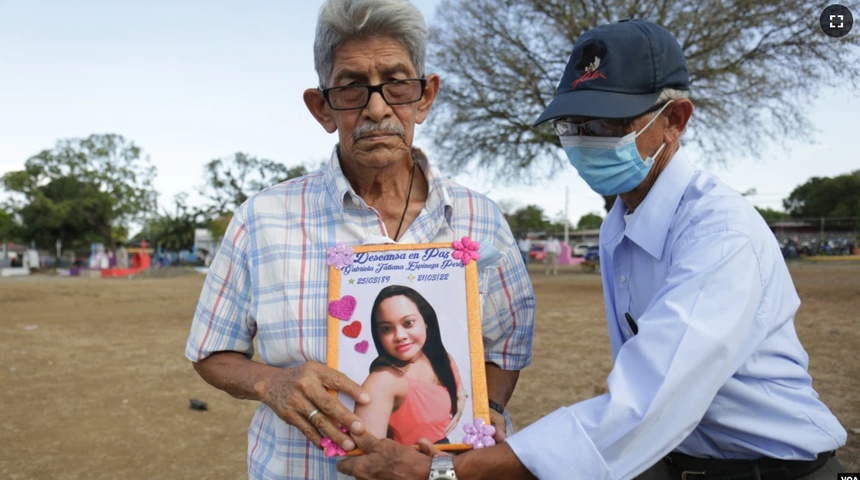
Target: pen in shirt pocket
x=631, y=322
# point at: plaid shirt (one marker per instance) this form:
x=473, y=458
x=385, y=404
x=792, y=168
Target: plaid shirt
x=269, y=280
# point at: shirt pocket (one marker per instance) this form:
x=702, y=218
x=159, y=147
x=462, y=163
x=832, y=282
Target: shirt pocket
x=489, y=257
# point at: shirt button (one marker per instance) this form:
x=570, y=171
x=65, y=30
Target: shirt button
x=623, y=278
x=374, y=231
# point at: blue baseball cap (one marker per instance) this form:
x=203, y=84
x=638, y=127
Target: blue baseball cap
x=618, y=71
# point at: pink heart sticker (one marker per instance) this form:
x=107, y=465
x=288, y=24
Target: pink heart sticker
x=343, y=308
x=353, y=329
x=361, y=347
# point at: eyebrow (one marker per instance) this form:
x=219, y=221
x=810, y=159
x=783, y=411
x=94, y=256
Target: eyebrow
x=387, y=71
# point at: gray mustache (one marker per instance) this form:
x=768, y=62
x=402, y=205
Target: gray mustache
x=369, y=128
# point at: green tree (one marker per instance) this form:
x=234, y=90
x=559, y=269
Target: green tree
x=119, y=234
x=7, y=224
x=557, y=225
x=217, y=225
x=174, y=232
x=81, y=189
x=826, y=197
x=530, y=218
x=771, y=215
x=69, y=209
x=589, y=221
x=754, y=66
x=229, y=181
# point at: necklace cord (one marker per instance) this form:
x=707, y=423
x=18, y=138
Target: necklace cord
x=406, y=208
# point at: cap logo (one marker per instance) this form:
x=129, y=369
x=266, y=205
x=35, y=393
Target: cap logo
x=590, y=54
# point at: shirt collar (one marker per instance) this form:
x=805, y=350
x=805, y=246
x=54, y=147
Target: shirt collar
x=649, y=224
x=336, y=183
x=438, y=205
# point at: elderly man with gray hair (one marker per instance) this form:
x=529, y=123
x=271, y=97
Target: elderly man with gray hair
x=268, y=282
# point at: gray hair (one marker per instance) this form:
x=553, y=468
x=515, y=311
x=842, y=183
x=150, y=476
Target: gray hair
x=341, y=21
x=671, y=94
x=666, y=95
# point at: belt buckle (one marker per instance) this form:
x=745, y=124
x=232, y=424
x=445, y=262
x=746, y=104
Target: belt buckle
x=689, y=473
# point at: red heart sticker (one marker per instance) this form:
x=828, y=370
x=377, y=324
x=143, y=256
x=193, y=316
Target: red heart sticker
x=342, y=308
x=361, y=347
x=353, y=329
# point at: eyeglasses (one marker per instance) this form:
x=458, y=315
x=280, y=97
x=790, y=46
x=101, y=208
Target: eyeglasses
x=600, y=127
x=395, y=92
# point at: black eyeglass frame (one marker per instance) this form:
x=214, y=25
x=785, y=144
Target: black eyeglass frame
x=378, y=88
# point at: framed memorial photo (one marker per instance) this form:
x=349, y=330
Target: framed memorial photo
x=404, y=322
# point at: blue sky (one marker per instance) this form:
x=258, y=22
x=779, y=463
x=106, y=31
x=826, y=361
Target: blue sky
x=189, y=81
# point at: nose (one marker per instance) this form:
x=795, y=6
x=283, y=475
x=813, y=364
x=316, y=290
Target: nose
x=400, y=333
x=377, y=108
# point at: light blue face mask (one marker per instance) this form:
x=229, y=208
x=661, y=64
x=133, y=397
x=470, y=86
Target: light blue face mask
x=610, y=165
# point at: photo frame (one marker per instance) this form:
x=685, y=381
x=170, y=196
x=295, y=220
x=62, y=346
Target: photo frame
x=397, y=277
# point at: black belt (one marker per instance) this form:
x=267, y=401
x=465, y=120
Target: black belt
x=692, y=468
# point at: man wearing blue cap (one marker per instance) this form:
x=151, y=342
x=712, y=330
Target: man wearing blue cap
x=709, y=379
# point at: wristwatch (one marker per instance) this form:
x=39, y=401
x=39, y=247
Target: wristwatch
x=442, y=468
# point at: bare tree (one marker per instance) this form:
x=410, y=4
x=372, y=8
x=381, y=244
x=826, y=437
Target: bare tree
x=756, y=66
x=229, y=181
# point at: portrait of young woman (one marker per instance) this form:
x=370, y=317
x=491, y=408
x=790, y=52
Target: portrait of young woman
x=405, y=324
x=414, y=383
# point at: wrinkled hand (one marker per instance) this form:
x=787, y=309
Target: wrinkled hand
x=388, y=460
x=293, y=393
x=498, y=420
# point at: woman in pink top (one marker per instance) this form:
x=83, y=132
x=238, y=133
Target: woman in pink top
x=414, y=383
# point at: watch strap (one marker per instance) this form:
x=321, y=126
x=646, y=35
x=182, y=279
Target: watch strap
x=495, y=406
x=442, y=468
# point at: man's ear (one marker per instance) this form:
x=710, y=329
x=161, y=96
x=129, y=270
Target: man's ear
x=319, y=109
x=678, y=113
x=426, y=102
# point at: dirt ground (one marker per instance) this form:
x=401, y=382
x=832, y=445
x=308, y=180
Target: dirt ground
x=94, y=383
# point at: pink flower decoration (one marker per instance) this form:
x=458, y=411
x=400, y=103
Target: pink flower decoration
x=330, y=448
x=339, y=256
x=466, y=250
x=479, y=434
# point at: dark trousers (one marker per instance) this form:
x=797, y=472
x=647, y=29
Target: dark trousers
x=682, y=467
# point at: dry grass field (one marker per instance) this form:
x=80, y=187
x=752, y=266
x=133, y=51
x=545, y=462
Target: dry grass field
x=94, y=383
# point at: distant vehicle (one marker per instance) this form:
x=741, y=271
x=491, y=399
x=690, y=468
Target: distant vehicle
x=581, y=248
x=537, y=253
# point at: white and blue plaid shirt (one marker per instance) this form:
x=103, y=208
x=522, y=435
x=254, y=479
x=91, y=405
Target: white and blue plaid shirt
x=269, y=280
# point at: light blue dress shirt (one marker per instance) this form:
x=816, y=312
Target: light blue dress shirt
x=716, y=368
